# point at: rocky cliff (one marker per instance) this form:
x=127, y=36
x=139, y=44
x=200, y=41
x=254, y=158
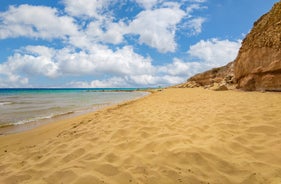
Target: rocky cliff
x=258, y=64
x=217, y=78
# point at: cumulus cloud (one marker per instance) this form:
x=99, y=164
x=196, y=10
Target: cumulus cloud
x=130, y=81
x=86, y=8
x=106, y=32
x=13, y=81
x=120, y=68
x=148, y=4
x=10, y=79
x=165, y=75
x=154, y=27
x=105, y=83
x=35, y=21
x=157, y=27
x=100, y=61
x=215, y=52
x=33, y=63
x=86, y=31
x=180, y=68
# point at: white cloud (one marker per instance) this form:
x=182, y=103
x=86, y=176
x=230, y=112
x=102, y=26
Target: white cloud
x=148, y=4
x=155, y=80
x=130, y=81
x=215, y=52
x=106, y=83
x=157, y=28
x=100, y=61
x=39, y=51
x=170, y=74
x=35, y=21
x=195, y=25
x=107, y=68
x=106, y=32
x=121, y=68
x=197, y=1
x=10, y=79
x=84, y=29
x=86, y=8
x=31, y=65
x=190, y=9
x=180, y=68
x=13, y=81
x=112, y=82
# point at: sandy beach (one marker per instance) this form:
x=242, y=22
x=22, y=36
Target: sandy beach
x=187, y=136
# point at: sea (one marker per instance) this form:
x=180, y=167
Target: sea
x=23, y=109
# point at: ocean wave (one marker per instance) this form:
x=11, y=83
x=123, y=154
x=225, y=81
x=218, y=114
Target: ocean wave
x=5, y=103
x=41, y=118
x=22, y=109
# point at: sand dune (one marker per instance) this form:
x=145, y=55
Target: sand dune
x=173, y=136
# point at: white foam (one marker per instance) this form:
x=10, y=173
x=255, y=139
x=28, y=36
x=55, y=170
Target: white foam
x=5, y=103
x=41, y=118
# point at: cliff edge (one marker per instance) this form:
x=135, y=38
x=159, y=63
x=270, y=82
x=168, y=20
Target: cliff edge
x=258, y=64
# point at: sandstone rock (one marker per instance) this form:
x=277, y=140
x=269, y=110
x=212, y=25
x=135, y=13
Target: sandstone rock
x=219, y=87
x=223, y=76
x=258, y=64
x=190, y=84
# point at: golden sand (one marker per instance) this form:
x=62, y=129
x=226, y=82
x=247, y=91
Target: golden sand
x=174, y=136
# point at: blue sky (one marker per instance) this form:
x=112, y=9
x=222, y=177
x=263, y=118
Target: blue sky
x=124, y=43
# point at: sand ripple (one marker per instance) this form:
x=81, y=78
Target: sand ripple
x=174, y=136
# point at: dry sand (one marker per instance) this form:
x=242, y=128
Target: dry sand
x=173, y=136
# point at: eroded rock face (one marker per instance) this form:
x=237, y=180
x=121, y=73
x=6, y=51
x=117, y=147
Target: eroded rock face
x=216, y=78
x=258, y=64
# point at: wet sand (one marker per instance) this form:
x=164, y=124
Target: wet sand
x=171, y=136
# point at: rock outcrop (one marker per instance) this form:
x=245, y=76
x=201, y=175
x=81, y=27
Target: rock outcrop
x=258, y=64
x=220, y=78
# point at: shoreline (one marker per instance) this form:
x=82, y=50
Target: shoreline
x=170, y=136
x=25, y=125
x=54, y=126
x=8, y=129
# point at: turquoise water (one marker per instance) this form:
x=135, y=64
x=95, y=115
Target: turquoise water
x=21, y=106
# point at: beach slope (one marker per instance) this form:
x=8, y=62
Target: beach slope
x=171, y=136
